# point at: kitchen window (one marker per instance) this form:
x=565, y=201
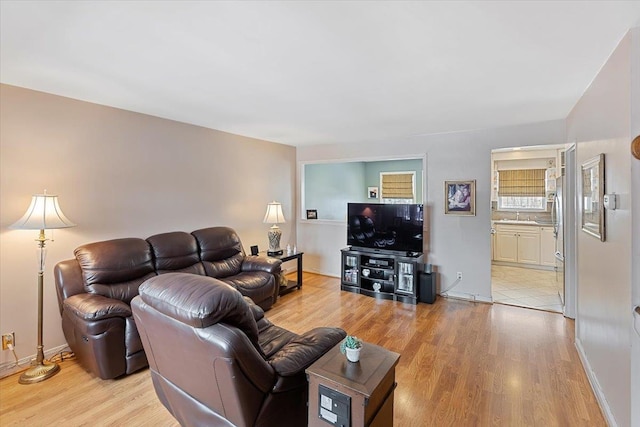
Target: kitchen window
x=522, y=189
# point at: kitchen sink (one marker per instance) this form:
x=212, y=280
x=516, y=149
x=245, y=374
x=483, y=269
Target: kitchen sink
x=536, y=221
x=516, y=221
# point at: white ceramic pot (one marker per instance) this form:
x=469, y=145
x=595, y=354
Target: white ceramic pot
x=353, y=354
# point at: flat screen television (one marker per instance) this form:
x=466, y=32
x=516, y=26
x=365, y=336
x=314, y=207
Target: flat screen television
x=377, y=227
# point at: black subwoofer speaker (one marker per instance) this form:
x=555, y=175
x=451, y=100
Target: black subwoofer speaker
x=427, y=290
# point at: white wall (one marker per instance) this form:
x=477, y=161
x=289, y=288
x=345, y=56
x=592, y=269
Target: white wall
x=328, y=186
x=454, y=243
x=635, y=219
x=120, y=174
x=601, y=123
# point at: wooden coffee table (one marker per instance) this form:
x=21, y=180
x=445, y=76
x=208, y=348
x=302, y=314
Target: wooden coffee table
x=367, y=386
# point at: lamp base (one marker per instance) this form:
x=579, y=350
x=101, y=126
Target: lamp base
x=274, y=240
x=39, y=372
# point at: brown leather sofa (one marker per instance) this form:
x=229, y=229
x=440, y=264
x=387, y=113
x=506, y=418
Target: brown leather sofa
x=215, y=360
x=96, y=288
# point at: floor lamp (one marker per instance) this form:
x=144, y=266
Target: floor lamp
x=43, y=213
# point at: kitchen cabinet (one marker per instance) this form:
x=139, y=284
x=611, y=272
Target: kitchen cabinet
x=506, y=248
x=547, y=247
x=518, y=244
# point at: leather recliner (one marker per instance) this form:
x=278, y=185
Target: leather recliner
x=95, y=289
x=214, y=358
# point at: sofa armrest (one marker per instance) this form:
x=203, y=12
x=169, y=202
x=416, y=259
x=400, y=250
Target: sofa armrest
x=256, y=310
x=301, y=352
x=258, y=263
x=96, y=307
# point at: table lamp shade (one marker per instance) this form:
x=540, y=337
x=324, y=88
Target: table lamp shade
x=274, y=214
x=44, y=213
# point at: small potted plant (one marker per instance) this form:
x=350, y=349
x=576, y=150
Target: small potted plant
x=351, y=347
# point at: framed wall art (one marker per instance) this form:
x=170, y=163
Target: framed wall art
x=373, y=192
x=592, y=209
x=312, y=214
x=460, y=197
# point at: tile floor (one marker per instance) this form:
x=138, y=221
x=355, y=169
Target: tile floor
x=525, y=287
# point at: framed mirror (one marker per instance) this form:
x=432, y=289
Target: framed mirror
x=592, y=197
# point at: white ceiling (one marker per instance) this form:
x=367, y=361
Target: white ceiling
x=317, y=72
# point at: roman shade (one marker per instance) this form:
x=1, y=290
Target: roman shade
x=521, y=183
x=397, y=186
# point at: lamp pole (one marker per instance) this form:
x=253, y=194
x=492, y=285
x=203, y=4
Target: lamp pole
x=42, y=369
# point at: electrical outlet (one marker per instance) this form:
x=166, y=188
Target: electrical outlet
x=459, y=275
x=8, y=339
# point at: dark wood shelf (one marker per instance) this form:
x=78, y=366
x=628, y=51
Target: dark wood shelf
x=379, y=295
x=397, y=275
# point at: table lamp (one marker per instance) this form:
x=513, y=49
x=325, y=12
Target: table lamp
x=274, y=216
x=43, y=213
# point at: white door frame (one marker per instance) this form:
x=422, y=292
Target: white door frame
x=570, y=236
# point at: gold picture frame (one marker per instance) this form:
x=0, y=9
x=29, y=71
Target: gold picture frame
x=592, y=197
x=460, y=197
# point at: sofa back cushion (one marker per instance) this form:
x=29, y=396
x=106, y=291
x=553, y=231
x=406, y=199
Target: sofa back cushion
x=175, y=252
x=115, y=268
x=220, y=251
x=200, y=302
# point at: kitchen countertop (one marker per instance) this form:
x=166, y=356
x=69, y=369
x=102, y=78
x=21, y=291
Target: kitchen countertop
x=521, y=222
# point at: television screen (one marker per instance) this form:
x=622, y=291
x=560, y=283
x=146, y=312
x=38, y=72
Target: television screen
x=386, y=227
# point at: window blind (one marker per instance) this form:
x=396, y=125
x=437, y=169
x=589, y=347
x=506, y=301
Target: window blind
x=586, y=183
x=397, y=186
x=521, y=183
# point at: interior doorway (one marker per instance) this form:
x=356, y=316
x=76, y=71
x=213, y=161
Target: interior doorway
x=525, y=287
x=532, y=203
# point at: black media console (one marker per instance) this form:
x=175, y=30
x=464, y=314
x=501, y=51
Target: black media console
x=381, y=275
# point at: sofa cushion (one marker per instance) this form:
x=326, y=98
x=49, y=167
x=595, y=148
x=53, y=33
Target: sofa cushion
x=115, y=268
x=220, y=251
x=175, y=252
x=257, y=285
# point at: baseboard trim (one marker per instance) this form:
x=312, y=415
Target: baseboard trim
x=10, y=368
x=467, y=297
x=595, y=386
x=529, y=266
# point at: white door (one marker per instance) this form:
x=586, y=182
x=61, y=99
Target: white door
x=570, y=230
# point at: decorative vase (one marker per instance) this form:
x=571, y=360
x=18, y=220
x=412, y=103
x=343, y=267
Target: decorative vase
x=353, y=354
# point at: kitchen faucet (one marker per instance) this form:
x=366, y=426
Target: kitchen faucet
x=517, y=216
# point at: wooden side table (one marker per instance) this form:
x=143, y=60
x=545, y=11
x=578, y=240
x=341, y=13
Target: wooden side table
x=288, y=257
x=367, y=386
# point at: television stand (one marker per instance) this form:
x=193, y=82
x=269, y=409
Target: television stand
x=381, y=275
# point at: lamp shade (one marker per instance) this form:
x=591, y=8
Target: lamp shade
x=43, y=213
x=274, y=214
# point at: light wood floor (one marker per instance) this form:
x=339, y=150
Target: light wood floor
x=462, y=364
